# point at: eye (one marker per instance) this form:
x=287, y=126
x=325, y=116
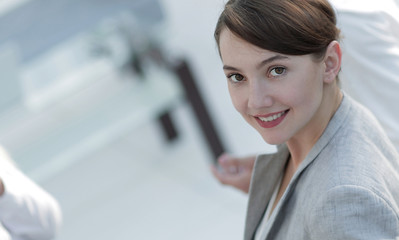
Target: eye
x=236, y=77
x=277, y=71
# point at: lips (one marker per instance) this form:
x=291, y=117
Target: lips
x=271, y=120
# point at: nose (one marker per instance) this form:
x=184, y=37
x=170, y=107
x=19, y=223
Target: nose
x=259, y=95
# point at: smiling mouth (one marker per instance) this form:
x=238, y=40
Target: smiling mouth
x=273, y=117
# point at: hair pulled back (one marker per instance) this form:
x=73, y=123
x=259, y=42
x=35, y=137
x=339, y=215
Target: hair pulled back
x=292, y=27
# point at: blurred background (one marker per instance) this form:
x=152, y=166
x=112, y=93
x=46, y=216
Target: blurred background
x=118, y=108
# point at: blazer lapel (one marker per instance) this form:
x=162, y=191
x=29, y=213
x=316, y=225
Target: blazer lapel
x=266, y=173
x=268, y=169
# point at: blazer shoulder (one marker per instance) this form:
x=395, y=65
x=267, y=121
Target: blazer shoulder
x=353, y=212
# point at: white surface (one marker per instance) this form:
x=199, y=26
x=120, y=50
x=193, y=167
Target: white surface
x=138, y=187
x=46, y=140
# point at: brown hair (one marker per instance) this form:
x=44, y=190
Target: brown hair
x=292, y=27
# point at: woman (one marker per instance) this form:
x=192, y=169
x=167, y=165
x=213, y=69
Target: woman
x=335, y=175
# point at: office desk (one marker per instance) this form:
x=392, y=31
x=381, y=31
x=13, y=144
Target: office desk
x=84, y=110
x=65, y=89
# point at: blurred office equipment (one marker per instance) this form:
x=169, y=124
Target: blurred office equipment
x=97, y=61
x=90, y=78
x=71, y=91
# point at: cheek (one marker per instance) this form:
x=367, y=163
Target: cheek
x=305, y=90
x=238, y=98
x=305, y=98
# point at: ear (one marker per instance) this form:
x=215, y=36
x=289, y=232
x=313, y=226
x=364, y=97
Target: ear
x=332, y=61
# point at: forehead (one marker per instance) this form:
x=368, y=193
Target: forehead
x=232, y=48
x=235, y=51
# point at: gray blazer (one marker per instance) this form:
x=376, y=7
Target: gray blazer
x=346, y=188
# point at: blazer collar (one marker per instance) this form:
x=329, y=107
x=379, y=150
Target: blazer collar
x=266, y=173
x=268, y=169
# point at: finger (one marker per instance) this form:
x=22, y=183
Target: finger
x=217, y=174
x=240, y=181
x=247, y=162
x=228, y=163
x=234, y=164
x=214, y=170
x=225, y=177
x=224, y=158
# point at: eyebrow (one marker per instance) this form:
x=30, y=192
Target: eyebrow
x=261, y=64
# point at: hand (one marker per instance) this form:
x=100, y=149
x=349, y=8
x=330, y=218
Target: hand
x=236, y=172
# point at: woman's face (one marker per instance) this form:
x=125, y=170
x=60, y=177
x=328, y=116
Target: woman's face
x=279, y=95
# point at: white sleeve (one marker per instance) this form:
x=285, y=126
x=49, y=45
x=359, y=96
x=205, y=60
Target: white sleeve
x=4, y=235
x=26, y=210
x=370, y=67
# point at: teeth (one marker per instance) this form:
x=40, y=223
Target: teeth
x=271, y=118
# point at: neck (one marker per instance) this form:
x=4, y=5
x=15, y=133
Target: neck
x=301, y=144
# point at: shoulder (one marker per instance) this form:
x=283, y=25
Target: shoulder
x=353, y=212
x=360, y=154
x=357, y=190
x=361, y=136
